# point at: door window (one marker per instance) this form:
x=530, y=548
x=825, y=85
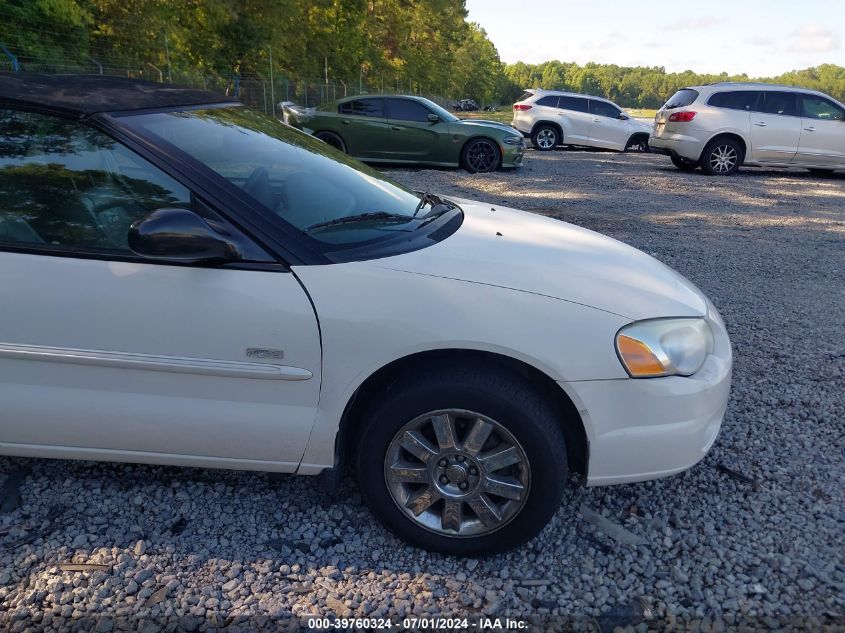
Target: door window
x=602, y=108
x=65, y=184
x=549, y=101
x=778, y=102
x=407, y=110
x=735, y=100
x=363, y=107
x=578, y=104
x=813, y=107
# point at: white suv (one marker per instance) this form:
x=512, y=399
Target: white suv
x=722, y=126
x=551, y=118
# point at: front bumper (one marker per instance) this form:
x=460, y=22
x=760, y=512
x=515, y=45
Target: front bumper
x=642, y=429
x=512, y=155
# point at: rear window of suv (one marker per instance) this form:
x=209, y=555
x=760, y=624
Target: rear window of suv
x=525, y=95
x=681, y=99
x=735, y=100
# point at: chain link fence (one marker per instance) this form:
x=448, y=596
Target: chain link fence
x=260, y=92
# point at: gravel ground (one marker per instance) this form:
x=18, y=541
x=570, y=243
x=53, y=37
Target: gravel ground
x=752, y=536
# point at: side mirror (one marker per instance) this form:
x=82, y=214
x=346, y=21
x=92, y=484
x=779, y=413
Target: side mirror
x=623, y=117
x=433, y=117
x=180, y=235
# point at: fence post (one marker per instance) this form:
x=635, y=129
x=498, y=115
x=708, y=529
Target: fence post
x=14, y=59
x=272, y=91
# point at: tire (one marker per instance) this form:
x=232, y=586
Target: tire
x=721, y=157
x=545, y=138
x=481, y=155
x=638, y=144
x=522, y=423
x=823, y=173
x=330, y=138
x=684, y=164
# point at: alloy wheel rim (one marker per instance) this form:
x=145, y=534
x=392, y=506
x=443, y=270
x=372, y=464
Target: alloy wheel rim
x=723, y=158
x=482, y=156
x=546, y=139
x=457, y=473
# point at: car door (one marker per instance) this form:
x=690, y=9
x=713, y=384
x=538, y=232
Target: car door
x=106, y=355
x=364, y=128
x=775, y=127
x=822, y=132
x=576, y=120
x=412, y=135
x=607, y=129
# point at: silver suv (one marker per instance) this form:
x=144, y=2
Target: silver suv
x=722, y=126
x=551, y=118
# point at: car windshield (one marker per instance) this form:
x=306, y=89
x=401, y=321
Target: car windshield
x=444, y=115
x=301, y=180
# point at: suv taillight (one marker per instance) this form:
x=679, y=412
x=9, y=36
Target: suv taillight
x=521, y=106
x=682, y=117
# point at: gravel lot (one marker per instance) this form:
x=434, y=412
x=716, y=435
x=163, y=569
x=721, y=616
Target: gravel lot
x=754, y=535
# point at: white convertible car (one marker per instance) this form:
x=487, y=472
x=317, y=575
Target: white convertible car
x=186, y=282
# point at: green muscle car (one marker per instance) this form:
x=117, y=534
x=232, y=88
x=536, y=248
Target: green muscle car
x=403, y=129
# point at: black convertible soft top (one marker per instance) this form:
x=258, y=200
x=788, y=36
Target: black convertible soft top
x=82, y=95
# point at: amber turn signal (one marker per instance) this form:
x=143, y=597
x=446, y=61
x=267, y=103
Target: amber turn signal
x=638, y=358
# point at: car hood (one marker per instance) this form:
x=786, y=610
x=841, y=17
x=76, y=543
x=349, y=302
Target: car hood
x=481, y=123
x=645, y=125
x=532, y=253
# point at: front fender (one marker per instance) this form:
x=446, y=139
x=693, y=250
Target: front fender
x=372, y=316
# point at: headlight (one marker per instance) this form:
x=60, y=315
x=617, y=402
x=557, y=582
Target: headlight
x=513, y=140
x=664, y=347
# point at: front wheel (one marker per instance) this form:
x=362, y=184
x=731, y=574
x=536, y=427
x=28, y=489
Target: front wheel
x=481, y=155
x=721, y=157
x=465, y=462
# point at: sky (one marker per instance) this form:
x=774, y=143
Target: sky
x=760, y=38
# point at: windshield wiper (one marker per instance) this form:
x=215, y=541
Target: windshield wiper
x=427, y=198
x=360, y=217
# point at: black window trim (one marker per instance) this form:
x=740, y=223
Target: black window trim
x=233, y=211
x=389, y=114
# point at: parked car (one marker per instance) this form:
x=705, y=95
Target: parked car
x=465, y=105
x=551, y=118
x=187, y=282
x=286, y=108
x=725, y=125
x=406, y=129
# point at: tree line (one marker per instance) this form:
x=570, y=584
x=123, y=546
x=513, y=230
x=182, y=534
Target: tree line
x=649, y=87
x=420, y=46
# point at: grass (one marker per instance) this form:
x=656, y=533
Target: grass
x=641, y=112
x=505, y=115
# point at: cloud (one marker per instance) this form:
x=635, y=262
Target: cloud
x=814, y=38
x=692, y=24
x=761, y=40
